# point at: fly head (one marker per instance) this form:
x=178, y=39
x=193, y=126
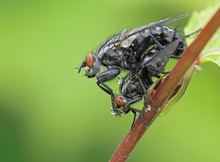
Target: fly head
x=91, y=65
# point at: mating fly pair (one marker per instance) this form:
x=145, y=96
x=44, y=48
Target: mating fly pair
x=143, y=51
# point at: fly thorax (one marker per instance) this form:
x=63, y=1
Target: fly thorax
x=158, y=30
x=104, y=51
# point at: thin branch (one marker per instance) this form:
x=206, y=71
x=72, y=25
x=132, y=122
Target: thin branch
x=166, y=89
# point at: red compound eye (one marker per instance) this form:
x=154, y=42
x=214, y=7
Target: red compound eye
x=89, y=60
x=119, y=101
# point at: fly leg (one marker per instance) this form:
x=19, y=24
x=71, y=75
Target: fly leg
x=108, y=90
x=175, y=57
x=146, y=94
x=193, y=33
x=157, y=70
x=156, y=41
x=104, y=77
x=81, y=66
x=134, y=110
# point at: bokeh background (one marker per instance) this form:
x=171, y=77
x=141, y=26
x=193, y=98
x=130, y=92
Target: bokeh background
x=49, y=112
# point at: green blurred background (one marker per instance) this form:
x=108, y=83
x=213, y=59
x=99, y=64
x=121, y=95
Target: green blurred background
x=49, y=112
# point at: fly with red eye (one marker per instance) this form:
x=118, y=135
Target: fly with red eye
x=129, y=50
x=144, y=52
x=135, y=85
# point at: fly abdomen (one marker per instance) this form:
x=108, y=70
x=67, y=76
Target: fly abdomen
x=164, y=35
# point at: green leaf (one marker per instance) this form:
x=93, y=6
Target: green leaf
x=213, y=56
x=211, y=52
x=197, y=21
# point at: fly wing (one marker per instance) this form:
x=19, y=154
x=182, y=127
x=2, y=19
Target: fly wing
x=163, y=54
x=127, y=36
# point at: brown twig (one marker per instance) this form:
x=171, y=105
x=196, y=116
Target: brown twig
x=166, y=89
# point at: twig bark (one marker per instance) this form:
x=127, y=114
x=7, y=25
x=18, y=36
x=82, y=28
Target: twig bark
x=166, y=89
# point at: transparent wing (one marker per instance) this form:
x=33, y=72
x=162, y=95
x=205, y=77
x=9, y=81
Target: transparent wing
x=127, y=36
x=163, y=54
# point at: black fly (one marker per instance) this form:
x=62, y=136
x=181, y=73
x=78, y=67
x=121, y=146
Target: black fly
x=129, y=50
x=143, y=51
x=135, y=85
